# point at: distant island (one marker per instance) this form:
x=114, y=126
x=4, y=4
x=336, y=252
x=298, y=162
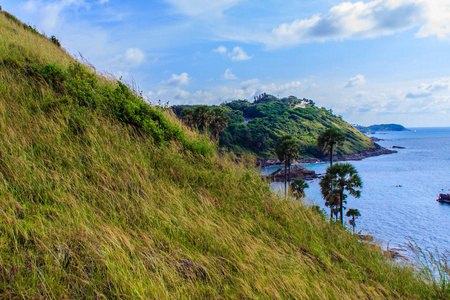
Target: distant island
x=380, y=127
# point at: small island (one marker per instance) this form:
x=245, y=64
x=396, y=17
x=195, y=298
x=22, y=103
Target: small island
x=380, y=127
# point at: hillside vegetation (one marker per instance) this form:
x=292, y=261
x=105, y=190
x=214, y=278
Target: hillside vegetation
x=105, y=197
x=256, y=126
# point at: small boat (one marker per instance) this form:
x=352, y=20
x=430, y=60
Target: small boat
x=443, y=198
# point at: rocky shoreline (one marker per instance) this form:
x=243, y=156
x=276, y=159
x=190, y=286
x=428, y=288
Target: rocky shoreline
x=296, y=172
x=377, y=151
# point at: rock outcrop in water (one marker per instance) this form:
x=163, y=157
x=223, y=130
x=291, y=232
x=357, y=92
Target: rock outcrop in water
x=296, y=172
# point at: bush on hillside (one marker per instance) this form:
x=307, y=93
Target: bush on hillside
x=78, y=87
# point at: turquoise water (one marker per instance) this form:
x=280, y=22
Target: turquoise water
x=394, y=214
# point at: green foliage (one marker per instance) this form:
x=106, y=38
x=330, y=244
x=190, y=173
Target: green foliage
x=298, y=187
x=55, y=41
x=340, y=178
x=354, y=214
x=212, y=119
x=380, y=127
x=287, y=149
x=328, y=140
x=270, y=118
x=80, y=88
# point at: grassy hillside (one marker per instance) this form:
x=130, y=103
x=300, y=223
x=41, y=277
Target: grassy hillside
x=105, y=197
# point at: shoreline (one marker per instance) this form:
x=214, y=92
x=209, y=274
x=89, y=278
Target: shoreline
x=377, y=151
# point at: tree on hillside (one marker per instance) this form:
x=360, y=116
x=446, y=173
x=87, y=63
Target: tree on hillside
x=328, y=139
x=339, y=178
x=354, y=213
x=206, y=119
x=201, y=118
x=218, y=121
x=187, y=115
x=287, y=149
x=298, y=187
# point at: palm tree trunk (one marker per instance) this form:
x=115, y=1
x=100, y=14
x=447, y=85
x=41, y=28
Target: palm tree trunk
x=331, y=214
x=353, y=223
x=342, y=206
x=285, y=180
x=289, y=164
x=331, y=155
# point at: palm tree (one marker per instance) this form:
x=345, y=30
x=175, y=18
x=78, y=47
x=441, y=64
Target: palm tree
x=218, y=121
x=201, y=118
x=338, y=179
x=298, y=187
x=328, y=139
x=354, y=213
x=187, y=115
x=287, y=149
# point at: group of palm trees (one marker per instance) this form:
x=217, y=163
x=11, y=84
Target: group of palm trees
x=338, y=179
x=205, y=118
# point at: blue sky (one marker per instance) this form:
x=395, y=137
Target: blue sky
x=374, y=61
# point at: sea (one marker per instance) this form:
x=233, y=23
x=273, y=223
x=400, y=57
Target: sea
x=398, y=202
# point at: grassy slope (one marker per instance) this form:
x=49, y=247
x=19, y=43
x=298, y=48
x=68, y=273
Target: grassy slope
x=91, y=207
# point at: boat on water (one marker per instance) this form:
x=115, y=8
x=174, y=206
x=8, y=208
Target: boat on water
x=443, y=198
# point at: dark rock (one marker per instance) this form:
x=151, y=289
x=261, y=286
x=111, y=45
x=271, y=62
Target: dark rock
x=398, y=147
x=375, y=139
x=296, y=172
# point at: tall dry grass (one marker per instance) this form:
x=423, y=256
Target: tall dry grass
x=92, y=207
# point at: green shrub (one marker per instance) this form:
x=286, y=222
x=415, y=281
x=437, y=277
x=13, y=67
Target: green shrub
x=55, y=41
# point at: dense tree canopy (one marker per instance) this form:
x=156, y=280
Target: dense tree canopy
x=211, y=119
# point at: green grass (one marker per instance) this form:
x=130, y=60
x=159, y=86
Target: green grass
x=104, y=197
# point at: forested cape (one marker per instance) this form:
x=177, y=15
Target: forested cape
x=256, y=126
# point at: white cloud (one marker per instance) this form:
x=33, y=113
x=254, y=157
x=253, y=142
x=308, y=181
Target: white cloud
x=252, y=87
x=181, y=94
x=221, y=49
x=355, y=81
x=132, y=58
x=217, y=94
x=228, y=75
x=239, y=54
x=426, y=90
x=182, y=79
x=352, y=20
x=438, y=23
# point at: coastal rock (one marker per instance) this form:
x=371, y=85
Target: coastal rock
x=377, y=151
x=296, y=173
x=375, y=139
x=398, y=147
